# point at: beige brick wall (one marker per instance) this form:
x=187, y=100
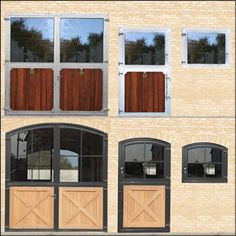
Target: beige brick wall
x=205, y=92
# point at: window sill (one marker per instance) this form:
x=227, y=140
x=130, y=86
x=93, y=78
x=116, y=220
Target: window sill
x=144, y=114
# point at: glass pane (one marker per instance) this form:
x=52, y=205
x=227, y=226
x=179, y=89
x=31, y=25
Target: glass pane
x=154, y=152
x=195, y=171
x=144, y=48
x=21, y=143
x=31, y=40
x=39, y=166
x=92, y=169
x=196, y=155
x=213, y=154
x=206, y=48
x=43, y=140
x=92, y=144
x=213, y=170
x=154, y=170
x=81, y=40
x=18, y=168
x=70, y=141
x=134, y=170
x=134, y=152
x=69, y=171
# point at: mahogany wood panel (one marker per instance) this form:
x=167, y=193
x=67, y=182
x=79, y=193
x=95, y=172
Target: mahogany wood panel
x=143, y=206
x=81, y=91
x=31, y=89
x=144, y=92
x=31, y=207
x=80, y=208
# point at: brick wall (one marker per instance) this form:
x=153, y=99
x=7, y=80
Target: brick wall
x=202, y=105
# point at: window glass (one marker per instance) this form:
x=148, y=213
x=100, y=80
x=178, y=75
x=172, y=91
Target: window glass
x=18, y=168
x=144, y=48
x=154, y=170
x=134, y=170
x=213, y=154
x=196, y=155
x=206, y=48
x=81, y=40
x=69, y=168
x=92, y=144
x=213, y=170
x=32, y=40
x=195, y=170
x=134, y=152
x=154, y=152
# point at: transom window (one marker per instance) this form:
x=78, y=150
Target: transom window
x=206, y=47
x=204, y=162
x=56, y=65
x=144, y=72
x=64, y=154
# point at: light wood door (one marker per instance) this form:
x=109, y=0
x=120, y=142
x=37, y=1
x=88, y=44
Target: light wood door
x=31, y=207
x=81, y=208
x=143, y=206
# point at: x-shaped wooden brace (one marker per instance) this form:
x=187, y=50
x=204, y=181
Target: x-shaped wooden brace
x=82, y=209
x=144, y=207
x=32, y=208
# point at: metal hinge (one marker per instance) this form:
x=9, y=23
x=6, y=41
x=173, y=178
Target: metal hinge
x=168, y=78
x=120, y=34
x=167, y=177
x=106, y=62
x=7, y=61
x=183, y=62
x=106, y=109
x=168, y=188
x=168, y=98
x=120, y=63
x=120, y=111
x=168, y=225
x=183, y=34
x=107, y=20
x=120, y=73
x=6, y=19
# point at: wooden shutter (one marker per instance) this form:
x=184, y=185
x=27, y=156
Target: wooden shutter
x=31, y=89
x=80, y=208
x=81, y=90
x=144, y=92
x=31, y=207
x=143, y=206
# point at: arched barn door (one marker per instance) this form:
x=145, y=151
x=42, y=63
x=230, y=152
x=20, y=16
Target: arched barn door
x=56, y=178
x=144, y=185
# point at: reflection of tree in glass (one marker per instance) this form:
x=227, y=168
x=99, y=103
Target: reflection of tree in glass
x=139, y=52
x=76, y=51
x=66, y=164
x=32, y=40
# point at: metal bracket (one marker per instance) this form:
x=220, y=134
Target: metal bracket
x=120, y=63
x=120, y=34
x=119, y=111
x=105, y=109
x=183, y=34
x=168, y=98
x=105, y=62
x=183, y=62
x=107, y=20
x=6, y=19
x=120, y=73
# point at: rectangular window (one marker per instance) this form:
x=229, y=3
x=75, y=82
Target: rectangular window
x=144, y=73
x=56, y=65
x=206, y=47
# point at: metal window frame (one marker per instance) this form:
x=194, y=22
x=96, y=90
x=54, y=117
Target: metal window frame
x=123, y=69
x=55, y=183
x=56, y=66
x=165, y=181
x=225, y=31
x=224, y=163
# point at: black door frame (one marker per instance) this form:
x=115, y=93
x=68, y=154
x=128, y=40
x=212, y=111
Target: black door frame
x=55, y=166
x=123, y=181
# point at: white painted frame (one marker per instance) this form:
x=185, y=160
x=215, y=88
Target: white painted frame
x=185, y=63
x=56, y=66
x=123, y=69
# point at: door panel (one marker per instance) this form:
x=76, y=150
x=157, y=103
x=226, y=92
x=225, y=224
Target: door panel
x=31, y=89
x=81, y=90
x=143, y=206
x=31, y=207
x=81, y=208
x=144, y=92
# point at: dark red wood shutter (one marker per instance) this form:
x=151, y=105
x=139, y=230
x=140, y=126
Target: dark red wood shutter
x=144, y=92
x=31, y=89
x=81, y=90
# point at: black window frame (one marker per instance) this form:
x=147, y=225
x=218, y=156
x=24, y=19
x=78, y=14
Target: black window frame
x=224, y=163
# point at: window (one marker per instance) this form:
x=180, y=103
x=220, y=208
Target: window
x=206, y=47
x=56, y=65
x=144, y=72
x=144, y=160
x=57, y=153
x=204, y=162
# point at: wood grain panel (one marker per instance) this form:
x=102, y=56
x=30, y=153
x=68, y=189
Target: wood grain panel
x=31, y=89
x=144, y=92
x=80, y=208
x=81, y=91
x=31, y=207
x=143, y=206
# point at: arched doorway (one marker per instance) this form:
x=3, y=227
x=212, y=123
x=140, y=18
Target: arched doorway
x=56, y=178
x=144, y=185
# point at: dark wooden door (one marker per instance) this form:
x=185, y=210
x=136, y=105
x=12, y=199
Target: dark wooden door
x=145, y=92
x=31, y=89
x=81, y=90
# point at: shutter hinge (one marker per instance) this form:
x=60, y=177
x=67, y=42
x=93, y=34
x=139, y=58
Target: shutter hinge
x=105, y=62
x=167, y=188
x=168, y=225
x=6, y=108
x=120, y=73
x=120, y=34
x=183, y=62
x=168, y=78
x=120, y=63
x=107, y=20
x=120, y=111
x=183, y=34
x=6, y=19
x=105, y=109
x=168, y=98
x=7, y=61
